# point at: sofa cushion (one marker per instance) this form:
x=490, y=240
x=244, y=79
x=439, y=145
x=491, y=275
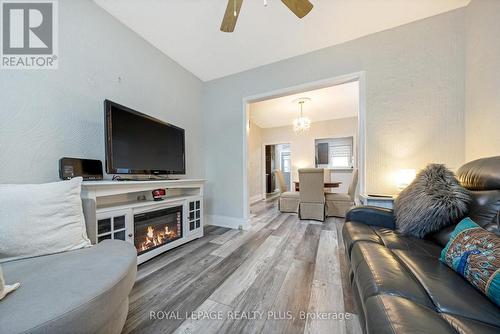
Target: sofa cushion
x=377, y=271
x=449, y=292
x=394, y=240
x=354, y=232
x=485, y=209
x=80, y=289
x=474, y=253
x=372, y=216
x=394, y=314
x=41, y=219
x=465, y=325
x=482, y=177
x=481, y=174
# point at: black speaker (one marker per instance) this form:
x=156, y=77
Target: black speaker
x=73, y=167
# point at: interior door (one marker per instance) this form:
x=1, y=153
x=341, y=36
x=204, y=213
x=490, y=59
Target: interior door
x=270, y=166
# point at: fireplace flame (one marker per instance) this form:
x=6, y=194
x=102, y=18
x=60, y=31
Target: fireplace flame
x=156, y=237
x=151, y=232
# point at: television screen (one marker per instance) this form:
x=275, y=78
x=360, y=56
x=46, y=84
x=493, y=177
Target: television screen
x=140, y=144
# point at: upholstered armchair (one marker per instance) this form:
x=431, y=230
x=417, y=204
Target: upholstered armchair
x=289, y=201
x=312, y=194
x=337, y=204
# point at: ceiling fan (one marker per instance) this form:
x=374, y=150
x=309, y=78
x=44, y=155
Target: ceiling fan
x=299, y=7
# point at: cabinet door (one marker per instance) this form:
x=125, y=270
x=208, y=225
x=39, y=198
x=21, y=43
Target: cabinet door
x=195, y=216
x=112, y=225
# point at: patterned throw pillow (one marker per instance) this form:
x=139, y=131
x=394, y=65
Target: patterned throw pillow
x=474, y=253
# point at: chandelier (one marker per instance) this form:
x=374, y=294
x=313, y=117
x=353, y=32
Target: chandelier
x=301, y=124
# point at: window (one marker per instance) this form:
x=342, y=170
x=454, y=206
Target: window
x=340, y=156
x=334, y=153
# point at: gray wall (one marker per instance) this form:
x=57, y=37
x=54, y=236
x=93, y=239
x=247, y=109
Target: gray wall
x=49, y=114
x=414, y=102
x=482, y=79
x=415, y=88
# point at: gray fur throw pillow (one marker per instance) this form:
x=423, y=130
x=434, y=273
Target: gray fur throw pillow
x=432, y=201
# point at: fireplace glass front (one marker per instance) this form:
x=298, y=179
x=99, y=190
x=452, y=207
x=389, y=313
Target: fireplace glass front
x=156, y=228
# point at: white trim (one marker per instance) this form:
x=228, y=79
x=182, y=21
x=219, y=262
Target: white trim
x=256, y=198
x=225, y=221
x=362, y=132
x=338, y=80
x=246, y=130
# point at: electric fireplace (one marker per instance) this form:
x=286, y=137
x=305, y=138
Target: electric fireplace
x=154, y=229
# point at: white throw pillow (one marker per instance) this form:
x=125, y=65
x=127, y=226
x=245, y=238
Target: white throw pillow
x=41, y=219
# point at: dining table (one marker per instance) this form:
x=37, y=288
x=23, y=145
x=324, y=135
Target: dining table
x=327, y=185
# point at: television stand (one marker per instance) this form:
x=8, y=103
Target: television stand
x=150, y=178
x=117, y=210
x=145, y=180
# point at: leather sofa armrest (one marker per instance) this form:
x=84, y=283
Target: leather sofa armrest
x=372, y=215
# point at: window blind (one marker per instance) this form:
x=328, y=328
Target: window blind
x=341, y=151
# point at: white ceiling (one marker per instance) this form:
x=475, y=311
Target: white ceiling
x=188, y=30
x=334, y=102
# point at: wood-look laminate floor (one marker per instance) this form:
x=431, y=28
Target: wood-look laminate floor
x=283, y=275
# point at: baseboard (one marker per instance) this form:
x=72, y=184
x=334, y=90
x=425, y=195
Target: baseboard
x=256, y=198
x=225, y=221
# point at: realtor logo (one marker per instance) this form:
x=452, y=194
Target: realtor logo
x=29, y=34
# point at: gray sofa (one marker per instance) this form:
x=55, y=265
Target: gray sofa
x=82, y=291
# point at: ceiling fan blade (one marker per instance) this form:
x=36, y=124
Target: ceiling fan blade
x=229, y=20
x=299, y=7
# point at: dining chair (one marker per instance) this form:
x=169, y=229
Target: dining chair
x=312, y=194
x=289, y=200
x=337, y=204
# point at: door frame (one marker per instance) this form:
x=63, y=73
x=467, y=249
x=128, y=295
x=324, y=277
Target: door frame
x=289, y=154
x=332, y=81
x=263, y=164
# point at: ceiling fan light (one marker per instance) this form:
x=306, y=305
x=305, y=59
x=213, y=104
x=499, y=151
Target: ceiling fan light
x=299, y=7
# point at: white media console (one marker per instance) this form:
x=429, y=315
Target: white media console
x=126, y=210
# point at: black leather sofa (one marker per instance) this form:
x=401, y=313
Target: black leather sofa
x=398, y=282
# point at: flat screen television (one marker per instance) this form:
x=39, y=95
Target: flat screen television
x=140, y=144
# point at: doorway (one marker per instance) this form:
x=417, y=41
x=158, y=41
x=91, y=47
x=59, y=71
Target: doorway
x=277, y=157
x=257, y=129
